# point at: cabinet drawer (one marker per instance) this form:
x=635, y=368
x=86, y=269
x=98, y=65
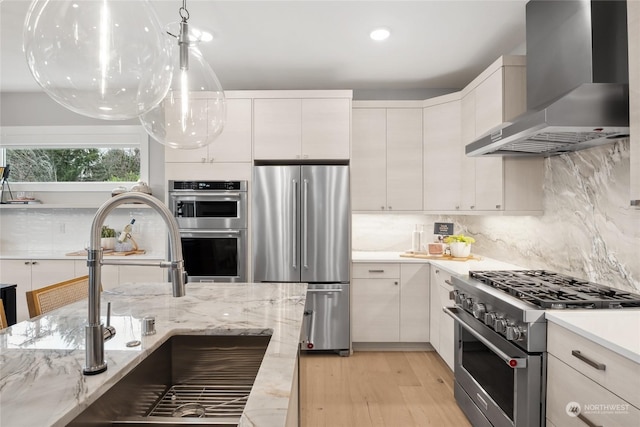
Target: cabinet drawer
x=597, y=405
x=376, y=271
x=612, y=370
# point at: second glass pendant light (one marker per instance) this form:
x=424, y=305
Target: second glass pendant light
x=193, y=113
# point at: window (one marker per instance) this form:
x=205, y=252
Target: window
x=74, y=157
x=74, y=164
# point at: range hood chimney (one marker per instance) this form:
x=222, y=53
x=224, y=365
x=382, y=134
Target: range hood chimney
x=577, y=81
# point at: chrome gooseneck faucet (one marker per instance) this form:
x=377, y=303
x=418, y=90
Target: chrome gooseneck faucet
x=95, y=332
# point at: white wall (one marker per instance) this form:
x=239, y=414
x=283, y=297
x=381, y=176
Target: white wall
x=588, y=229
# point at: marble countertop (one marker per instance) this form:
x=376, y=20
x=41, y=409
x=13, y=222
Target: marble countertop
x=617, y=330
x=454, y=267
x=41, y=360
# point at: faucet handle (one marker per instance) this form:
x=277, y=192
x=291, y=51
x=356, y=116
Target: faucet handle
x=109, y=331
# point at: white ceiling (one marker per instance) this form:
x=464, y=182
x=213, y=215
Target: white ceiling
x=324, y=44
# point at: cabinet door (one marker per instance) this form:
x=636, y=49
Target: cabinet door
x=325, y=128
x=135, y=274
x=468, y=164
x=442, y=165
x=447, y=327
x=404, y=159
x=489, y=103
x=489, y=182
x=435, y=309
x=633, y=24
x=177, y=155
x=47, y=272
x=234, y=143
x=414, y=303
x=108, y=274
x=375, y=310
x=368, y=163
x=444, y=330
x=18, y=272
x=277, y=127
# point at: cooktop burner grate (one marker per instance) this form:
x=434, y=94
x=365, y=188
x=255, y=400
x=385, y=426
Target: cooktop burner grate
x=546, y=289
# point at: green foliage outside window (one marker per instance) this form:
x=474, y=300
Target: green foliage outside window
x=74, y=164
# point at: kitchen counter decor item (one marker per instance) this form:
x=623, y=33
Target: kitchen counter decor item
x=460, y=245
x=107, y=237
x=417, y=238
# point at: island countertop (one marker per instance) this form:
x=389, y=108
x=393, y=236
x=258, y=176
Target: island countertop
x=41, y=360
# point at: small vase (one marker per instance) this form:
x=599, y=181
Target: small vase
x=108, y=242
x=460, y=249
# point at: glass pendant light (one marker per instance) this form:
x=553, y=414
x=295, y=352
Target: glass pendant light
x=193, y=113
x=107, y=59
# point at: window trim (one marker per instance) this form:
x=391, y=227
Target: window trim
x=75, y=137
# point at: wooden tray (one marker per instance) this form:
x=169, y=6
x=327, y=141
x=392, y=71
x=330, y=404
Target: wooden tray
x=441, y=257
x=109, y=252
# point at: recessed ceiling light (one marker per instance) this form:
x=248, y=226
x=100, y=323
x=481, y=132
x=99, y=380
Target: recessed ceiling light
x=380, y=34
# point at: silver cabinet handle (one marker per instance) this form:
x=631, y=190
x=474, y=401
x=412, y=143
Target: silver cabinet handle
x=376, y=271
x=294, y=225
x=587, y=421
x=448, y=282
x=305, y=219
x=599, y=366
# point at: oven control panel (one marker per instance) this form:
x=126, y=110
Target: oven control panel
x=207, y=186
x=511, y=329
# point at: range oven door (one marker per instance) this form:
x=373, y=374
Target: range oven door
x=219, y=210
x=215, y=255
x=497, y=383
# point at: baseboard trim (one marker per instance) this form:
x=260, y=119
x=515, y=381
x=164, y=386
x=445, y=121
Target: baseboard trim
x=392, y=346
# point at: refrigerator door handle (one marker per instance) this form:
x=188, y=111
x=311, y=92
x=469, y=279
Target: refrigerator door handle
x=305, y=193
x=294, y=225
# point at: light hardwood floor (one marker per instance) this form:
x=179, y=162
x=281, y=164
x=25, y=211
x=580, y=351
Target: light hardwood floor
x=388, y=389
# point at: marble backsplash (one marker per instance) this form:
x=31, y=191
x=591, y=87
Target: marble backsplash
x=588, y=229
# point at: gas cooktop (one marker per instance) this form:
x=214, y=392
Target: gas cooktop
x=551, y=290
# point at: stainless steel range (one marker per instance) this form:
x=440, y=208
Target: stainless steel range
x=500, y=336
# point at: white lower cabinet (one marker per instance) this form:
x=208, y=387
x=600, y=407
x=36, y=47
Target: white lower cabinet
x=588, y=384
x=114, y=275
x=441, y=325
x=30, y=274
x=390, y=303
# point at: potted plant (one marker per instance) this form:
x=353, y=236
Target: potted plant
x=107, y=237
x=460, y=245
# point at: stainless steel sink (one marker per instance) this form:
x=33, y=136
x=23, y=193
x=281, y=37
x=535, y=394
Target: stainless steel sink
x=197, y=380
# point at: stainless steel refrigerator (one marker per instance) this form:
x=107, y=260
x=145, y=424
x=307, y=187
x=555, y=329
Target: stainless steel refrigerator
x=301, y=233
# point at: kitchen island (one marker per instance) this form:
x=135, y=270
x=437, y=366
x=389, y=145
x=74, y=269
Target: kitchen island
x=41, y=360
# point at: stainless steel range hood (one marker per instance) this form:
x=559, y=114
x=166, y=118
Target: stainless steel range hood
x=577, y=81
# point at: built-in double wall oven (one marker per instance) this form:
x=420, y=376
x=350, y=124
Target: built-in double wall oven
x=212, y=217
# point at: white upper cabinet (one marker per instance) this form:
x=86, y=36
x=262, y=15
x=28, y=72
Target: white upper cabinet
x=404, y=159
x=497, y=183
x=633, y=17
x=369, y=159
x=326, y=128
x=302, y=128
x=232, y=145
x=386, y=164
x=442, y=161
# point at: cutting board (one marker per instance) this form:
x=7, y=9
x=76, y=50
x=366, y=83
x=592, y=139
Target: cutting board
x=441, y=257
x=109, y=253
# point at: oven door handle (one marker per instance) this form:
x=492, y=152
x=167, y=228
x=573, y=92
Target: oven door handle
x=185, y=232
x=513, y=362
